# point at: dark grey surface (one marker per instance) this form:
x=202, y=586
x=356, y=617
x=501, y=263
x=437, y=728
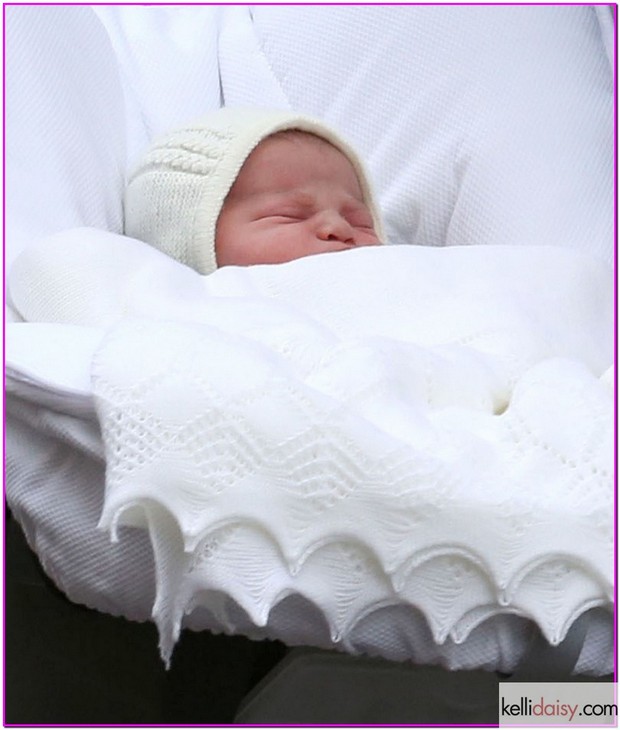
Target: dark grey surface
x=320, y=687
x=311, y=686
x=66, y=664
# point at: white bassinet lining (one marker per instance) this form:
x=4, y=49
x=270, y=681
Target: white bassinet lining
x=454, y=188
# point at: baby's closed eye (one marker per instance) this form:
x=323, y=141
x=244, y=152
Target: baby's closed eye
x=358, y=217
x=282, y=217
x=362, y=223
x=283, y=212
x=299, y=209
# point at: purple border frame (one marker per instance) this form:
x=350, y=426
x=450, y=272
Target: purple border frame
x=614, y=7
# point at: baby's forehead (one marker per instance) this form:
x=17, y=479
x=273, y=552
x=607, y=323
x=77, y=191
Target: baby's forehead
x=288, y=159
x=289, y=142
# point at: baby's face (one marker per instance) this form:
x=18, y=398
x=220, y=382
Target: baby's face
x=296, y=195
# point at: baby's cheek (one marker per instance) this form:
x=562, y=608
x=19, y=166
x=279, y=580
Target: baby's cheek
x=293, y=241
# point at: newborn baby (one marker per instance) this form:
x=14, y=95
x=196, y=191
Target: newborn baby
x=251, y=186
x=296, y=195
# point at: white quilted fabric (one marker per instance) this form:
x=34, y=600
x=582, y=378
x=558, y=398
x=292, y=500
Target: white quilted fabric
x=475, y=127
x=481, y=126
x=65, y=141
x=438, y=435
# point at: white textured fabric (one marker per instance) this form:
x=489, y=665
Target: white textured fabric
x=174, y=197
x=65, y=130
x=484, y=124
x=440, y=436
x=481, y=125
x=56, y=492
x=495, y=124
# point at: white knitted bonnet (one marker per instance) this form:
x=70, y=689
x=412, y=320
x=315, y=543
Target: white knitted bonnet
x=174, y=197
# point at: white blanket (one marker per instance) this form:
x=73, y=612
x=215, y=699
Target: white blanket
x=488, y=124
x=506, y=117
x=427, y=427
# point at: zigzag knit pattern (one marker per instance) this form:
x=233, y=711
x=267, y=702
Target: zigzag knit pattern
x=360, y=454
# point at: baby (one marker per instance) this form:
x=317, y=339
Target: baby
x=251, y=186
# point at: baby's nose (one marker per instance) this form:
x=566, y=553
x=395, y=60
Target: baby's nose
x=331, y=226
